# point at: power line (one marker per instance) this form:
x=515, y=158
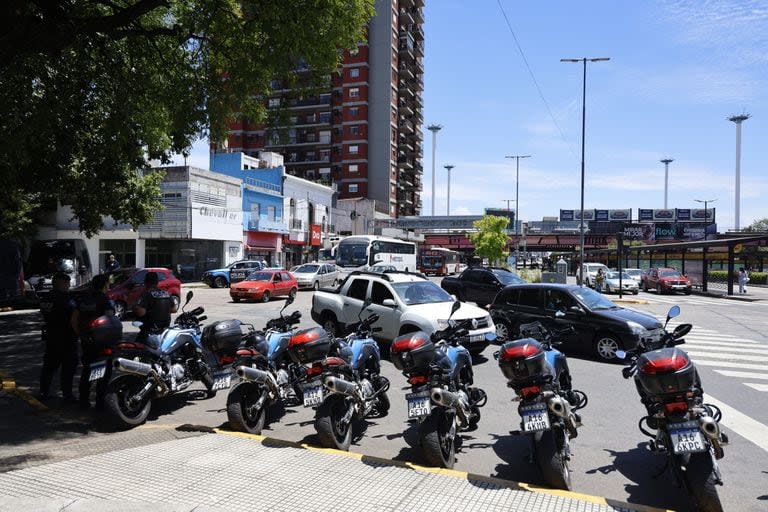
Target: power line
x=533, y=77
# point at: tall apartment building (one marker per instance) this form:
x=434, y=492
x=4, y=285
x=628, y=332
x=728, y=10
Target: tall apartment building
x=364, y=132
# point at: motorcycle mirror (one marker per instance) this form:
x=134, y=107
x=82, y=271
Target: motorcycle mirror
x=673, y=312
x=454, y=308
x=289, y=301
x=137, y=323
x=189, y=297
x=681, y=330
x=620, y=354
x=559, y=314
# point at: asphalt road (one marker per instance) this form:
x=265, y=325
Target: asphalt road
x=610, y=455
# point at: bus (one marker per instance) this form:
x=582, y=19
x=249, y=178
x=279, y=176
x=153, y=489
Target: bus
x=439, y=261
x=360, y=252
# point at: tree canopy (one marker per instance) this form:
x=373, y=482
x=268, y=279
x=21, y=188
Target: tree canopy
x=94, y=89
x=758, y=226
x=490, y=239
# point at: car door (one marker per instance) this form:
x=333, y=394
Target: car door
x=559, y=301
x=135, y=288
x=238, y=272
x=471, y=282
x=322, y=276
x=488, y=289
x=353, y=300
x=277, y=285
x=389, y=317
x=529, y=307
x=287, y=283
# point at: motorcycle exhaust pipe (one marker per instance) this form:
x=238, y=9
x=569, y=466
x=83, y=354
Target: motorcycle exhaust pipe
x=559, y=406
x=341, y=386
x=130, y=366
x=258, y=376
x=709, y=427
x=445, y=398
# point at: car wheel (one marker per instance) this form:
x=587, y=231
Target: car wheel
x=330, y=326
x=292, y=293
x=503, y=331
x=120, y=310
x=636, y=292
x=316, y=286
x=265, y=296
x=220, y=282
x=606, y=345
x=235, y=299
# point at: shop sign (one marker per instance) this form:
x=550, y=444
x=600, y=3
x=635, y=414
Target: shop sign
x=315, y=235
x=216, y=223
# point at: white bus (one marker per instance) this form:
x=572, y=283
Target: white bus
x=359, y=252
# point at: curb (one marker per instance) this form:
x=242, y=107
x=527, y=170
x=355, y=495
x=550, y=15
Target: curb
x=194, y=285
x=630, y=301
x=9, y=386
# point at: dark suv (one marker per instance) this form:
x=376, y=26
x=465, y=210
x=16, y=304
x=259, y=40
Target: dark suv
x=480, y=284
x=599, y=325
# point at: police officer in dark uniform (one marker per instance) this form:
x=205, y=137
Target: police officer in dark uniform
x=154, y=308
x=89, y=308
x=60, y=339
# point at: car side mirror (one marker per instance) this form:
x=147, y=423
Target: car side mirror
x=559, y=314
x=390, y=303
x=576, y=309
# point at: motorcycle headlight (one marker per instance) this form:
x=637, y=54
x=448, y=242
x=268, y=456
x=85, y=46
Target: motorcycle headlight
x=636, y=328
x=442, y=324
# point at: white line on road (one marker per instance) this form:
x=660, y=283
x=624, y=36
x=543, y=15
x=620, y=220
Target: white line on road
x=727, y=348
x=723, y=343
x=748, y=428
x=713, y=355
x=695, y=333
x=759, y=387
x=729, y=364
x=743, y=375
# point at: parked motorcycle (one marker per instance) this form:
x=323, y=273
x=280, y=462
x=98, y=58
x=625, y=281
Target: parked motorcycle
x=439, y=370
x=348, y=386
x=167, y=363
x=267, y=373
x=679, y=423
x=539, y=375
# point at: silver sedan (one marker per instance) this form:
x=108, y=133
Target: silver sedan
x=628, y=285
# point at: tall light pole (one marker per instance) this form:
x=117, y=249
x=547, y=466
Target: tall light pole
x=706, y=213
x=738, y=119
x=448, y=207
x=583, y=133
x=666, y=162
x=434, y=128
x=517, y=201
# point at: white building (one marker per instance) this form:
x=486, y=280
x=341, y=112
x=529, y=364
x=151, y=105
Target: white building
x=308, y=212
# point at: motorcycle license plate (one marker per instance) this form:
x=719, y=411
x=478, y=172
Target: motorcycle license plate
x=535, y=417
x=418, y=404
x=686, y=438
x=313, y=394
x=98, y=371
x=221, y=381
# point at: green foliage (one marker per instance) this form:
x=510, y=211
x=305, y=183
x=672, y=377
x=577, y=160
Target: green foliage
x=92, y=90
x=490, y=240
x=722, y=276
x=758, y=226
x=530, y=275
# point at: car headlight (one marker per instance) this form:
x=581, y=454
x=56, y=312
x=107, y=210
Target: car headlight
x=636, y=328
x=442, y=324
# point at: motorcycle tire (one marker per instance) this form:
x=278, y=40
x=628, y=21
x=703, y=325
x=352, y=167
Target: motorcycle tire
x=240, y=413
x=550, y=454
x=330, y=431
x=123, y=414
x=382, y=405
x=700, y=480
x=437, y=444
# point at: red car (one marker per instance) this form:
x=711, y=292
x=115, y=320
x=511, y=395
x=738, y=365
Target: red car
x=263, y=285
x=666, y=280
x=128, y=285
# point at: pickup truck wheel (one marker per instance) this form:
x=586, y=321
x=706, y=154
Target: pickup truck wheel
x=503, y=331
x=220, y=282
x=330, y=325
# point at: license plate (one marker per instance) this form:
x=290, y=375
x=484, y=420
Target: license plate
x=686, y=438
x=313, y=394
x=476, y=337
x=98, y=371
x=419, y=404
x=221, y=381
x=535, y=417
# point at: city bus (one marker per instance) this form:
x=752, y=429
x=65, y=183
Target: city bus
x=439, y=261
x=360, y=252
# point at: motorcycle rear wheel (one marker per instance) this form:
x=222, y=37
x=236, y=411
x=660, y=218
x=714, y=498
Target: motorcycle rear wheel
x=125, y=415
x=700, y=480
x=438, y=438
x=240, y=408
x=550, y=452
x=330, y=429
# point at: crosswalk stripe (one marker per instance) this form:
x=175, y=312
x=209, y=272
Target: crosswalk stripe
x=759, y=387
x=730, y=364
x=713, y=355
x=743, y=375
x=738, y=350
x=711, y=335
x=722, y=343
x=748, y=428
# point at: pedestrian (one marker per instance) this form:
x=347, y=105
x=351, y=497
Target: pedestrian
x=112, y=265
x=89, y=308
x=263, y=263
x=154, y=308
x=743, y=280
x=60, y=339
x=599, y=280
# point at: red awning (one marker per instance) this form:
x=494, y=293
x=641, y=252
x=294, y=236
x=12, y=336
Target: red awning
x=262, y=241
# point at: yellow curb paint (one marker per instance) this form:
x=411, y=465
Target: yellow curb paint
x=9, y=385
x=599, y=500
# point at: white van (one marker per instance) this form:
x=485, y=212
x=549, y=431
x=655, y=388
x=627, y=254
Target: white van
x=590, y=271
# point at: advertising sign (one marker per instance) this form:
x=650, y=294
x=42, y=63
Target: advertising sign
x=588, y=215
x=644, y=214
x=693, y=233
x=566, y=215
x=216, y=223
x=703, y=215
x=601, y=215
x=664, y=215
x=683, y=214
x=315, y=233
x=625, y=215
x=667, y=232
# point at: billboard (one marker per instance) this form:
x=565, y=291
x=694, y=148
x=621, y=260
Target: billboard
x=702, y=215
x=566, y=215
x=601, y=215
x=683, y=214
x=315, y=235
x=642, y=232
x=644, y=214
x=623, y=215
x=588, y=215
x=663, y=215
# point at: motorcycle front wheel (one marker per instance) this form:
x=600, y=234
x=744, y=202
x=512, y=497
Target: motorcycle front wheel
x=332, y=431
x=551, y=457
x=700, y=479
x=243, y=412
x=123, y=411
x=438, y=438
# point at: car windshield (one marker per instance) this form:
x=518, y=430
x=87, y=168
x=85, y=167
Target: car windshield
x=259, y=276
x=669, y=273
x=352, y=255
x=615, y=275
x=506, y=277
x=421, y=292
x=307, y=269
x=593, y=300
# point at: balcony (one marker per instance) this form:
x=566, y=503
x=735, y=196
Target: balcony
x=405, y=107
x=262, y=186
x=405, y=163
x=406, y=17
x=318, y=101
x=264, y=224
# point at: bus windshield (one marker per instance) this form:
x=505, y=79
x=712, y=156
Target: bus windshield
x=352, y=254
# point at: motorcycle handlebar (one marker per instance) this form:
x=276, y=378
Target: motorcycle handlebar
x=197, y=311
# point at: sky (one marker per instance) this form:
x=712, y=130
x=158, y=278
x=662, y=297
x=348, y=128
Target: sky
x=678, y=70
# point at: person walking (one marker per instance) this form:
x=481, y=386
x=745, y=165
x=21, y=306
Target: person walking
x=599, y=280
x=743, y=280
x=88, y=309
x=60, y=338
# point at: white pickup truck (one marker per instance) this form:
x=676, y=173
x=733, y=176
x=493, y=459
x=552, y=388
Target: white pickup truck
x=405, y=302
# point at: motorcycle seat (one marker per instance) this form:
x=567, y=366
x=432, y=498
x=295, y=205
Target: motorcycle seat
x=152, y=341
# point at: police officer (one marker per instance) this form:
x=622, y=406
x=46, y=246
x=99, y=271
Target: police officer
x=60, y=339
x=89, y=308
x=154, y=307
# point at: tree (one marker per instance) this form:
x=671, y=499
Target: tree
x=490, y=239
x=758, y=226
x=94, y=89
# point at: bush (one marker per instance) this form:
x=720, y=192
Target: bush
x=530, y=275
x=722, y=276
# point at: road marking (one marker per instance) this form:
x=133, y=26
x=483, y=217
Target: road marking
x=746, y=427
x=743, y=375
x=729, y=364
x=723, y=348
x=713, y=355
x=759, y=387
x=730, y=341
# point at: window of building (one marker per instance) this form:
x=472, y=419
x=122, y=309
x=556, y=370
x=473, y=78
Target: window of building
x=354, y=92
x=325, y=98
x=325, y=137
x=352, y=167
x=274, y=102
x=353, y=187
x=354, y=72
x=354, y=130
x=354, y=149
x=354, y=112
x=271, y=212
x=325, y=117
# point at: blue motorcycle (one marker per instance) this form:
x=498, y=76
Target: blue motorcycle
x=164, y=364
x=539, y=375
x=348, y=386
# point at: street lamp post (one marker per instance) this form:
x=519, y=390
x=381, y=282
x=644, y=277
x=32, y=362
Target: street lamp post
x=517, y=201
x=583, y=132
x=738, y=119
x=448, y=206
x=666, y=162
x=434, y=128
x=706, y=214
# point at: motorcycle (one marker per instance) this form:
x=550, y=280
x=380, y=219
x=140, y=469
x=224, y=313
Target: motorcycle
x=443, y=401
x=166, y=363
x=539, y=375
x=687, y=430
x=267, y=373
x=348, y=386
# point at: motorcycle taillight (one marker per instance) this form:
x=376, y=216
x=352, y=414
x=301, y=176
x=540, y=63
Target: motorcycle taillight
x=530, y=391
x=314, y=370
x=676, y=407
x=415, y=380
x=106, y=352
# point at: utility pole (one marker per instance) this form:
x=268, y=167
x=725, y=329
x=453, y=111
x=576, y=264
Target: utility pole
x=434, y=128
x=583, y=133
x=666, y=162
x=738, y=119
x=448, y=168
x=706, y=215
x=517, y=202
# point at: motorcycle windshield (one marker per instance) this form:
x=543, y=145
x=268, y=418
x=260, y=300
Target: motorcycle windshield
x=278, y=344
x=172, y=339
